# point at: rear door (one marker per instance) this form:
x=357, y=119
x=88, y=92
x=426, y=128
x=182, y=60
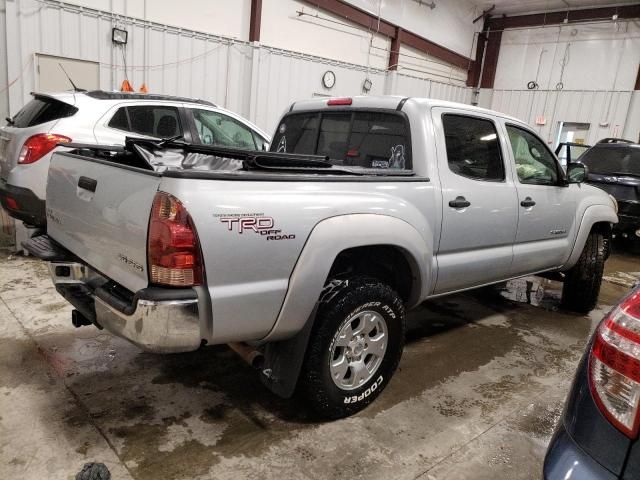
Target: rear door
x=100, y=212
x=546, y=207
x=143, y=119
x=479, y=216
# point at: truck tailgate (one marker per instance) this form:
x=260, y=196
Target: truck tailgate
x=100, y=212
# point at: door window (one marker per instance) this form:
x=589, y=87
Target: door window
x=215, y=128
x=473, y=150
x=151, y=120
x=535, y=164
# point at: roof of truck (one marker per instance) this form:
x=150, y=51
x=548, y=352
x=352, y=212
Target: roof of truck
x=395, y=102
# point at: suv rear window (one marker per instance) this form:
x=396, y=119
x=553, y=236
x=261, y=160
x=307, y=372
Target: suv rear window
x=366, y=139
x=612, y=159
x=42, y=110
x=152, y=120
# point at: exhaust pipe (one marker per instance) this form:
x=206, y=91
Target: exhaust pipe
x=250, y=355
x=79, y=320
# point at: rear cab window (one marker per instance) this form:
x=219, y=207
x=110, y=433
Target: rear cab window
x=355, y=138
x=42, y=110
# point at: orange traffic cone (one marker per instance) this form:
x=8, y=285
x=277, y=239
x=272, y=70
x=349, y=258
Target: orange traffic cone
x=126, y=86
x=143, y=88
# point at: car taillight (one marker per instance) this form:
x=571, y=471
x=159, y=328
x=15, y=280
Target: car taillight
x=37, y=146
x=173, y=246
x=614, y=368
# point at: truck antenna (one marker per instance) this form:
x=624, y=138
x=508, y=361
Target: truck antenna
x=75, y=88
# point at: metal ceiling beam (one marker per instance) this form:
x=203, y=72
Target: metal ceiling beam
x=388, y=29
x=558, y=17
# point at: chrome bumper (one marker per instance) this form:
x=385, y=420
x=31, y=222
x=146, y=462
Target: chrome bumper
x=164, y=326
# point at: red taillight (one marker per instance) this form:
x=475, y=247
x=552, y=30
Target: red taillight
x=174, y=249
x=339, y=101
x=614, y=367
x=11, y=203
x=37, y=146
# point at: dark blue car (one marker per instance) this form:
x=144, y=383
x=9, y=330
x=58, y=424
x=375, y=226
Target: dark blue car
x=597, y=438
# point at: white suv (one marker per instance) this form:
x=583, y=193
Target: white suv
x=31, y=136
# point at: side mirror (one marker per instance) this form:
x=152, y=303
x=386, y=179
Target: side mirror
x=577, y=172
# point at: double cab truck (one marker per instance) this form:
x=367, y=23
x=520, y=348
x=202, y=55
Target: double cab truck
x=305, y=258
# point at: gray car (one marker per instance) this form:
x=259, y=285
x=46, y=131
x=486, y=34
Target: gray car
x=307, y=256
x=32, y=135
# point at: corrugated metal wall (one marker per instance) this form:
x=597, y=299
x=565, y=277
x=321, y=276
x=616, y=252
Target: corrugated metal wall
x=593, y=107
x=258, y=82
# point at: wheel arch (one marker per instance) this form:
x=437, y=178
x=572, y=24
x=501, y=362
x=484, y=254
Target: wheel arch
x=596, y=218
x=356, y=237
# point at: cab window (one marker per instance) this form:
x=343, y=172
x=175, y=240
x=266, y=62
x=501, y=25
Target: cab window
x=360, y=138
x=473, y=149
x=535, y=164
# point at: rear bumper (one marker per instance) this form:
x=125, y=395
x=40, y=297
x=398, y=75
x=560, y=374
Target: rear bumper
x=156, y=320
x=565, y=459
x=22, y=204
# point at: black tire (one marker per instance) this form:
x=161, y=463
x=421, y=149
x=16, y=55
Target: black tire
x=94, y=471
x=344, y=302
x=582, y=282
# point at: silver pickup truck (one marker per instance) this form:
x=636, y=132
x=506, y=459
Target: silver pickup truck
x=304, y=259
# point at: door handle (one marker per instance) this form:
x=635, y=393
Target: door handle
x=459, y=202
x=527, y=202
x=87, y=183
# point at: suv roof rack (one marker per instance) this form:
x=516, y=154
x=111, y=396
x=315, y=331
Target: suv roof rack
x=614, y=140
x=104, y=95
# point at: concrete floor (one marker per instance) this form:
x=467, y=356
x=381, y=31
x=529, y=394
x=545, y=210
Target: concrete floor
x=479, y=390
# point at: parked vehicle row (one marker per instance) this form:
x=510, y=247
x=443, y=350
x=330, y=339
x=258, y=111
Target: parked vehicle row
x=308, y=255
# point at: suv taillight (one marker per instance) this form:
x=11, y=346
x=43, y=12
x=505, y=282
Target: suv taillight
x=614, y=368
x=173, y=246
x=37, y=146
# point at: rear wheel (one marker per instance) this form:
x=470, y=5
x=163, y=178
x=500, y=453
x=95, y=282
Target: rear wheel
x=582, y=282
x=355, y=347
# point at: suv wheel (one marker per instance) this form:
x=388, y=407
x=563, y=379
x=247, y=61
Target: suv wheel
x=355, y=347
x=582, y=282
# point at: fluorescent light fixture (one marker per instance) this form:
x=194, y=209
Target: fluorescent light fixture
x=119, y=36
x=486, y=138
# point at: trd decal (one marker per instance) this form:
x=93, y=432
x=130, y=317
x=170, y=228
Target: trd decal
x=254, y=223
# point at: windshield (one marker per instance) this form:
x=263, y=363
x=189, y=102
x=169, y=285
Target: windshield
x=613, y=159
x=349, y=138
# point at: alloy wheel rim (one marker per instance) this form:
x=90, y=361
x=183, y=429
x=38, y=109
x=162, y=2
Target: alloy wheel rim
x=358, y=349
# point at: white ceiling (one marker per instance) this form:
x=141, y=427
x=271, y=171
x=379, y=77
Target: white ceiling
x=512, y=7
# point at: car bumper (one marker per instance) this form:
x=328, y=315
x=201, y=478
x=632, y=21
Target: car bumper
x=566, y=460
x=156, y=320
x=22, y=204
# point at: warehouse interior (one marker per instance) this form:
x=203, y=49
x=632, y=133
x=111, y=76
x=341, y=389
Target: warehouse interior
x=493, y=377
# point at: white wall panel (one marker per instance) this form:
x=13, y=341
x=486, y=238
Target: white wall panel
x=602, y=56
x=605, y=111
x=419, y=87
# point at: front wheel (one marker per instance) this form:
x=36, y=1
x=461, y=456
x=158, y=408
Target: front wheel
x=582, y=282
x=355, y=347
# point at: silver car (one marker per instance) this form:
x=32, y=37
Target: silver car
x=48, y=120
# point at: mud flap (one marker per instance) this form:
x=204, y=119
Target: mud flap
x=283, y=360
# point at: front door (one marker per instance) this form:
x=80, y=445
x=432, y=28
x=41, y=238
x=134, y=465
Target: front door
x=479, y=208
x=546, y=207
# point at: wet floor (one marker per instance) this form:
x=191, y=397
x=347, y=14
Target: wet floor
x=477, y=395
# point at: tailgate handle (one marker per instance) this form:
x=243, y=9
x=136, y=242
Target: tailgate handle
x=87, y=183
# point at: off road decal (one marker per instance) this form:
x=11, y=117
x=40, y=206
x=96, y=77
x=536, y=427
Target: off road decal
x=256, y=223
x=358, y=398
